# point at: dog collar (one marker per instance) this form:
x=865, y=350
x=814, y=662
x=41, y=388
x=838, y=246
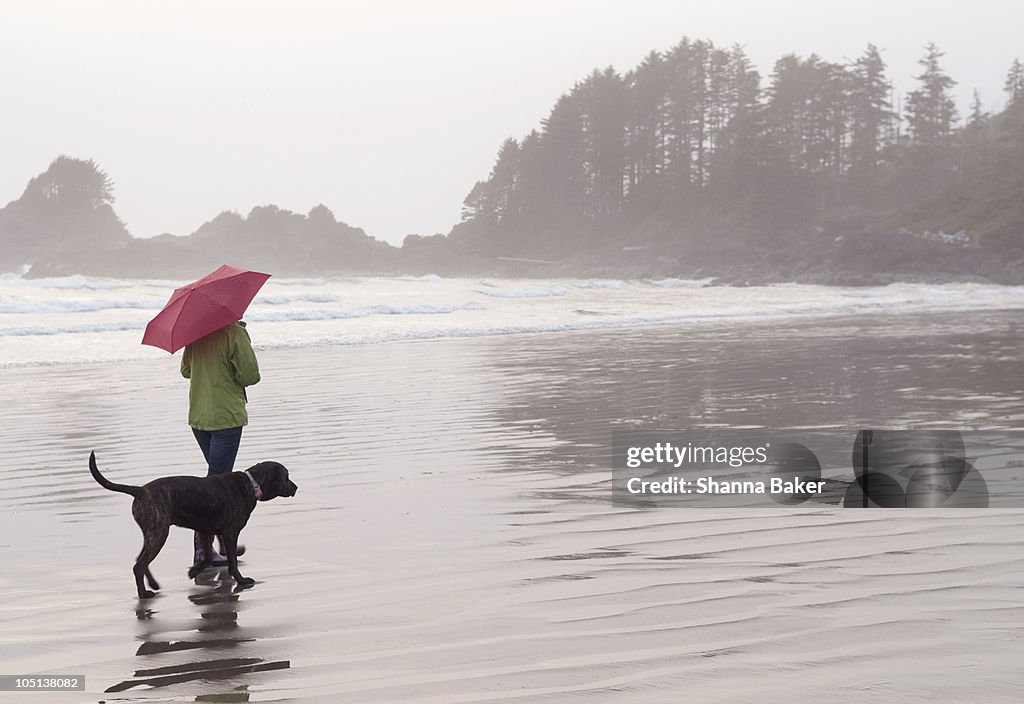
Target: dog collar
x=255, y=485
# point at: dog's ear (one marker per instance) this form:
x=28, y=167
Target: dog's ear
x=263, y=471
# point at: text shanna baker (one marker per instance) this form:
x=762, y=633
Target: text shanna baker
x=709, y=485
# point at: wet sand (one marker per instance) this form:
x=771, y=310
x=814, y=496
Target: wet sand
x=453, y=538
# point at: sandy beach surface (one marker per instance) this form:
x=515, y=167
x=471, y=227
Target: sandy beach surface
x=453, y=538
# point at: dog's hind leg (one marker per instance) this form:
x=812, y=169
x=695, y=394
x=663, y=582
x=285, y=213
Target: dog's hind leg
x=153, y=539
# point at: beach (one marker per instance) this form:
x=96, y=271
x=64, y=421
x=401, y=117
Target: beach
x=453, y=537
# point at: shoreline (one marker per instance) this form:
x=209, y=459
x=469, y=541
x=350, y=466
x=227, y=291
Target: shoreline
x=839, y=258
x=682, y=321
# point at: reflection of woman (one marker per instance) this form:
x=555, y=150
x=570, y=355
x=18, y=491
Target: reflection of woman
x=219, y=367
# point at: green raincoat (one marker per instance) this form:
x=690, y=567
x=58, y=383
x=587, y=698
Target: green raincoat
x=219, y=366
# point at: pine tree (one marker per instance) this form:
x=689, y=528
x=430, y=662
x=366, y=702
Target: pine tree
x=785, y=114
x=492, y=200
x=738, y=156
x=978, y=116
x=563, y=154
x=604, y=131
x=931, y=111
x=974, y=142
x=646, y=130
x=533, y=204
x=1015, y=82
x=718, y=108
x=870, y=115
x=1012, y=127
x=682, y=102
x=807, y=113
x=474, y=204
x=503, y=181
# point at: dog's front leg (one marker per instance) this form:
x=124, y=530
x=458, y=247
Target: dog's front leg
x=231, y=545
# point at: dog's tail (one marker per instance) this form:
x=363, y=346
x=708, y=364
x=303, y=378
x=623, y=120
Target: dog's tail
x=103, y=482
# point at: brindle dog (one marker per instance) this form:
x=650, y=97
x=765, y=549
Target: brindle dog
x=217, y=505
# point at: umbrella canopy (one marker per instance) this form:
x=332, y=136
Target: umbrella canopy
x=196, y=310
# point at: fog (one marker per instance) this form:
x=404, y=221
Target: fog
x=387, y=112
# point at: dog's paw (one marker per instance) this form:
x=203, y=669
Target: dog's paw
x=146, y=594
x=195, y=570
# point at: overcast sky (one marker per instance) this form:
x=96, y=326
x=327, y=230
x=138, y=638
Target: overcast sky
x=385, y=111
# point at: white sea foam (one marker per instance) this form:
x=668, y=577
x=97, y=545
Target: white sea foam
x=71, y=329
x=613, y=284
x=65, y=282
x=298, y=282
x=679, y=283
x=299, y=313
x=304, y=297
x=429, y=278
x=600, y=323
x=524, y=292
x=278, y=316
x=308, y=315
x=424, y=309
x=25, y=304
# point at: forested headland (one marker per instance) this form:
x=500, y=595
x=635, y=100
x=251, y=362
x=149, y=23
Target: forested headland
x=689, y=164
x=695, y=155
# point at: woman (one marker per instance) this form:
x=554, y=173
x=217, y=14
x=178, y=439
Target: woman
x=219, y=367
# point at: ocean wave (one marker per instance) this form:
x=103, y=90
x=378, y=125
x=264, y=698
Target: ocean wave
x=25, y=304
x=312, y=315
x=679, y=283
x=76, y=281
x=29, y=330
x=283, y=316
x=19, y=304
x=577, y=325
x=592, y=320
x=638, y=303
x=424, y=309
x=580, y=322
x=301, y=298
x=613, y=284
x=523, y=292
x=298, y=282
x=430, y=278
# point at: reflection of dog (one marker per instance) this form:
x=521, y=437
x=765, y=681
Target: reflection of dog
x=217, y=505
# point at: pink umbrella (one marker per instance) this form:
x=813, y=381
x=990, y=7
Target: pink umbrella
x=203, y=306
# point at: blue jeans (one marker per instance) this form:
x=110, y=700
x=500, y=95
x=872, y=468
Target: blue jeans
x=220, y=447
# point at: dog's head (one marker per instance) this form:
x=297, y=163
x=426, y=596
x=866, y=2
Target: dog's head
x=273, y=480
